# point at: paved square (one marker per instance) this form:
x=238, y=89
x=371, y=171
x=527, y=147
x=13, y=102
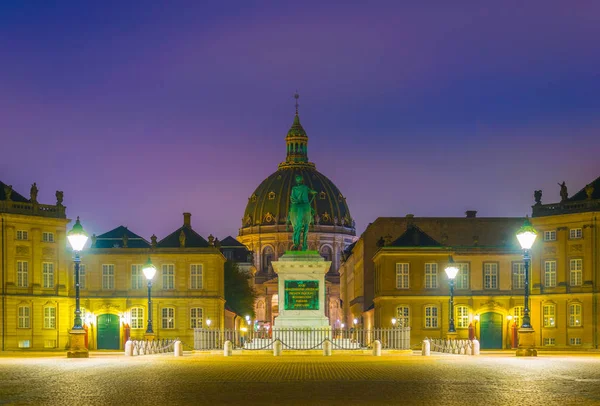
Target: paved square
x=110, y=379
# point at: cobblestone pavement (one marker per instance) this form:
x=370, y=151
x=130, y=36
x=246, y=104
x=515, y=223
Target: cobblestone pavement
x=113, y=379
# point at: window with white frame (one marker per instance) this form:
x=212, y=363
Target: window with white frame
x=549, y=341
x=575, y=268
x=168, y=317
x=575, y=315
x=47, y=275
x=518, y=313
x=50, y=317
x=550, y=274
x=47, y=237
x=108, y=276
x=24, y=317
x=431, y=275
x=22, y=274
x=168, y=276
x=137, y=277
x=549, y=315
x=490, y=272
x=431, y=317
x=550, y=235
x=518, y=273
x=22, y=235
x=575, y=341
x=196, y=276
x=462, y=316
x=402, y=275
x=462, y=277
x=196, y=317
x=575, y=233
x=137, y=317
x=403, y=316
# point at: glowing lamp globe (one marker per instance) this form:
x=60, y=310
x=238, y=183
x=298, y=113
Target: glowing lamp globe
x=451, y=269
x=149, y=270
x=526, y=235
x=77, y=236
x=394, y=321
x=208, y=322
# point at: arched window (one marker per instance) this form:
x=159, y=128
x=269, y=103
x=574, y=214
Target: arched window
x=575, y=315
x=267, y=257
x=137, y=317
x=462, y=316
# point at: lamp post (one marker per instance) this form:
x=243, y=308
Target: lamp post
x=451, y=271
x=149, y=271
x=77, y=238
x=526, y=236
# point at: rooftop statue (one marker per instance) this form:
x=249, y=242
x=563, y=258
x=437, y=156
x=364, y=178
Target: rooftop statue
x=301, y=213
x=564, y=194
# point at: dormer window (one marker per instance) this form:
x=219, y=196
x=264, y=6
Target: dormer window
x=322, y=195
x=271, y=195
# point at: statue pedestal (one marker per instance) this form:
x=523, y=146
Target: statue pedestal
x=526, y=343
x=77, y=348
x=301, y=290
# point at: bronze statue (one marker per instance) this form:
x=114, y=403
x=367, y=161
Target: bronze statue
x=563, y=191
x=33, y=192
x=537, y=195
x=182, y=239
x=59, y=197
x=301, y=213
x=589, y=191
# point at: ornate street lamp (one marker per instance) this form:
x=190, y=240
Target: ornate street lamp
x=394, y=321
x=77, y=238
x=149, y=271
x=451, y=271
x=526, y=236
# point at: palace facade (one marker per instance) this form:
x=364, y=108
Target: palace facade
x=396, y=270
x=38, y=293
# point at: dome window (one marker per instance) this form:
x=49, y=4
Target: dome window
x=268, y=218
x=326, y=218
x=322, y=195
x=271, y=195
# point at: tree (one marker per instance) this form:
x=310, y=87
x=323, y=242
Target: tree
x=239, y=295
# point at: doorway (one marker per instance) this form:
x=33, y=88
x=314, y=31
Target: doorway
x=490, y=329
x=108, y=332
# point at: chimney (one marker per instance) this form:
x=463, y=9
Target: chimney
x=471, y=214
x=187, y=220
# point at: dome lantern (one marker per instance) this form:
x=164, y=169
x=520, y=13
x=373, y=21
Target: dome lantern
x=297, y=141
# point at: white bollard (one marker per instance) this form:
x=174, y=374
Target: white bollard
x=426, y=350
x=277, y=347
x=377, y=348
x=227, y=349
x=475, y=347
x=129, y=348
x=178, y=349
x=327, y=348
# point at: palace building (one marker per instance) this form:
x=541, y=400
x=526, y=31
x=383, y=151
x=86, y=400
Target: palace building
x=396, y=270
x=38, y=292
x=267, y=234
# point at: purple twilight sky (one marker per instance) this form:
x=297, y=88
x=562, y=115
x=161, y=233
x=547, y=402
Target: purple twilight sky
x=140, y=112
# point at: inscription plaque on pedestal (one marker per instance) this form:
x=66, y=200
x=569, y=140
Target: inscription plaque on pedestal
x=301, y=295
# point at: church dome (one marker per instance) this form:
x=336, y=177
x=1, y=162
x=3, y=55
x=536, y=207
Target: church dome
x=270, y=202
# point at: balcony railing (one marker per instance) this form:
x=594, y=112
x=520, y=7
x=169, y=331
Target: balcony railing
x=552, y=209
x=32, y=209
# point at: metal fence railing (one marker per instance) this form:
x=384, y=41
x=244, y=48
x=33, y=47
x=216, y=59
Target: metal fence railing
x=303, y=338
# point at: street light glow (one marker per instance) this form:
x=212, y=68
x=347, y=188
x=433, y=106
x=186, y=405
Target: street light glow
x=451, y=268
x=77, y=236
x=149, y=270
x=526, y=235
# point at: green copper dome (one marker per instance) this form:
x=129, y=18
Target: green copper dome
x=269, y=204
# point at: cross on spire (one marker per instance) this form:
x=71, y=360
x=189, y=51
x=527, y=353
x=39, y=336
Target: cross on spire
x=296, y=96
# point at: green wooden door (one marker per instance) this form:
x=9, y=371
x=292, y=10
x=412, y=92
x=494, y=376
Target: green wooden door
x=490, y=328
x=108, y=332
